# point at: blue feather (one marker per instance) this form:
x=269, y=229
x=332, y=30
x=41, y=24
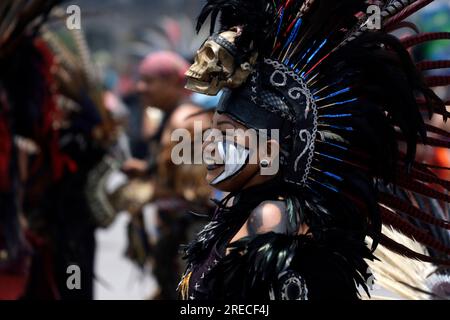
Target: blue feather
x=334, y=94
x=336, y=115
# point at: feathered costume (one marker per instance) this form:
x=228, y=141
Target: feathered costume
x=404, y=278
x=47, y=152
x=27, y=109
x=350, y=103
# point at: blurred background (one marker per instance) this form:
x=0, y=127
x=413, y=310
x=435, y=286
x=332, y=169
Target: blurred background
x=121, y=33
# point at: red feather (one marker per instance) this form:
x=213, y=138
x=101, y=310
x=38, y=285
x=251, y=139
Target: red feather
x=405, y=251
x=437, y=81
x=406, y=12
x=424, y=37
x=403, y=24
x=411, y=231
x=404, y=181
x=437, y=130
x=405, y=207
x=431, y=65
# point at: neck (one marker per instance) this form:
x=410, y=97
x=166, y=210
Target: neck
x=260, y=192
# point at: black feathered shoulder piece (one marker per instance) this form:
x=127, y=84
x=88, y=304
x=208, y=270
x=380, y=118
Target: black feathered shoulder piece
x=276, y=266
x=349, y=100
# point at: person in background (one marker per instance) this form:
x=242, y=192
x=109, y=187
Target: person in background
x=177, y=189
x=161, y=86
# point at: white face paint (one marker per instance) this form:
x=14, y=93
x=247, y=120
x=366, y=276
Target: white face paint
x=234, y=157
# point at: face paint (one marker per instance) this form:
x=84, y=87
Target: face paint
x=234, y=157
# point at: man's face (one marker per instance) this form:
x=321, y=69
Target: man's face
x=217, y=171
x=158, y=91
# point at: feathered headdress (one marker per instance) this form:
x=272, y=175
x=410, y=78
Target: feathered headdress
x=410, y=280
x=348, y=99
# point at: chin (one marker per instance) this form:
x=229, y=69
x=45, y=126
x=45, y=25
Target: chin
x=225, y=186
x=210, y=176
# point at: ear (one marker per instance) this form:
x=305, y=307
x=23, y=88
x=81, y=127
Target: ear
x=271, y=154
x=273, y=150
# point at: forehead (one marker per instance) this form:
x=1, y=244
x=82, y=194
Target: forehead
x=222, y=117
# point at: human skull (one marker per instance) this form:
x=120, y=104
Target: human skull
x=215, y=67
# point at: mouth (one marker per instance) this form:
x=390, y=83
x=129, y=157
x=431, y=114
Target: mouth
x=197, y=83
x=193, y=83
x=195, y=75
x=212, y=167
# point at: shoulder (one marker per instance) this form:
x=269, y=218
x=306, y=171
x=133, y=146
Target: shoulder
x=269, y=216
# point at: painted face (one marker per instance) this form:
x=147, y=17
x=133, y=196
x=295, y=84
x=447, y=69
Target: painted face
x=233, y=156
x=230, y=153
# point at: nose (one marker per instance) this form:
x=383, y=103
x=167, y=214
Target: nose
x=209, y=146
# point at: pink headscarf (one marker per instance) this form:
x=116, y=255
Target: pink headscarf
x=164, y=63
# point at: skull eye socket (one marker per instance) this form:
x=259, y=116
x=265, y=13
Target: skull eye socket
x=209, y=53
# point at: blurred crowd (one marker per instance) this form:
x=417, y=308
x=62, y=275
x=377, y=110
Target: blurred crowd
x=71, y=122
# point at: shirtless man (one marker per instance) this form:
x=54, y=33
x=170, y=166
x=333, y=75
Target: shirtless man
x=161, y=86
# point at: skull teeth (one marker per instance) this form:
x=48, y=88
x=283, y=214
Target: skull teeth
x=193, y=74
